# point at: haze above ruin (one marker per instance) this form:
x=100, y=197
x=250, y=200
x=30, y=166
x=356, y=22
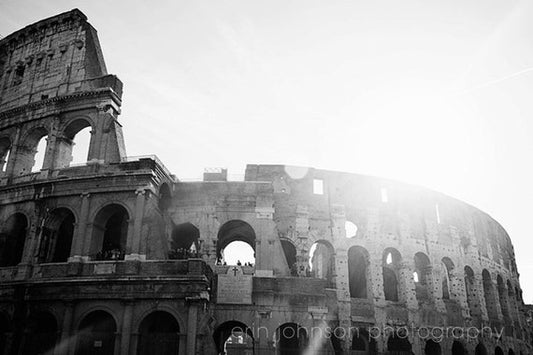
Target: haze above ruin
x=431, y=94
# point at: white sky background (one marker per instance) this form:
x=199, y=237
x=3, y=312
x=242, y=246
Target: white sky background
x=432, y=93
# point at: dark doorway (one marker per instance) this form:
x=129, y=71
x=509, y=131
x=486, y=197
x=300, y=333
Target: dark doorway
x=158, y=334
x=96, y=334
x=40, y=334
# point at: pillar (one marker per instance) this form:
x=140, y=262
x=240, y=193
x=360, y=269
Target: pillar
x=133, y=245
x=78, y=243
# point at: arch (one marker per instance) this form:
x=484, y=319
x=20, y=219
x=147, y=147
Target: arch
x=158, y=334
x=322, y=260
x=56, y=236
x=234, y=336
x=458, y=348
x=40, y=333
x=490, y=296
x=480, y=349
x=432, y=348
x=422, y=276
x=96, y=334
x=447, y=267
x=5, y=149
x=498, y=351
x=502, y=297
x=362, y=344
x=110, y=230
x=291, y=339
x=30, y=154
x=184, y=241
x=289, y=250
x=390, y=268
x=510, y=352
x=12, y=239
x=358, y=260
x=234, y=230
x=165, y=197
x=398, y=345
x=73, y=147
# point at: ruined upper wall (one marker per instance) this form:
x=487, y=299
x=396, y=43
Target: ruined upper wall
x=53, y=57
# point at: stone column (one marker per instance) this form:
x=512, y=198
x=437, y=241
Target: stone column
x=133, y=245
x=78, y=243
x=65, y=344
x=126, y=328
x=13, y=154
x=191, y=327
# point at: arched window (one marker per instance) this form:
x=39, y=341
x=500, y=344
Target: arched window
x=432, y=348
x=158, y=334
x=362, y=344
x=31, y=152
x=498, y=351
x=184, y=241
x=446, y=275
x=40, y=153
x=291, y=339
x=458, y=348
x=480, y=349
x=56, y=236
x=398, y=345
x=73, y=146
x=289, y=250
x=96, y=334
x=234, y=337
x=110, y=231
x=490, y=296
x=12, y=240
x=350, y=229
x=322, y=261
x=40, y=334
x=422, y=277
x=390, y=266
x=502, y=296
x=231, y=243
x=357, y=272
x=5, y=149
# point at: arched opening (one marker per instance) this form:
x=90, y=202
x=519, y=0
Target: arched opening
x=56, y=236
x=233, y=338
x=498, y=351
x=237, y=233
x=12, y=240
x=158, y=334
x=322, y=261
x=110, y=231
x=40, y=334
x=96, y=334
x=184, y=241
x=289, y=250
x=40, y=152
x=490, y=296
x=502, y=296
x=446, y=274
x=357, y=271
x=511, y=352
x=397, y=345
x=30, y=154
x=432, y=348
x=458, y=348
x=390, y=266
x=350, y=229
x=362, y=344
x=165, y=197
x=5, y=149
x=291, y=339
x=480, y=349
x=471, y=296
x=5, y=331
x=422, y=276
x=73, y=146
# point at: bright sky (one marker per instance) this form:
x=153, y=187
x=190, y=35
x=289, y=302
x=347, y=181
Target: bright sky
x=431, y=93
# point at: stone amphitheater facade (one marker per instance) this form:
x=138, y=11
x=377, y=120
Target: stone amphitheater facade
x=117, y=256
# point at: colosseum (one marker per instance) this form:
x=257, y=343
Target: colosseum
x=118, y=256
